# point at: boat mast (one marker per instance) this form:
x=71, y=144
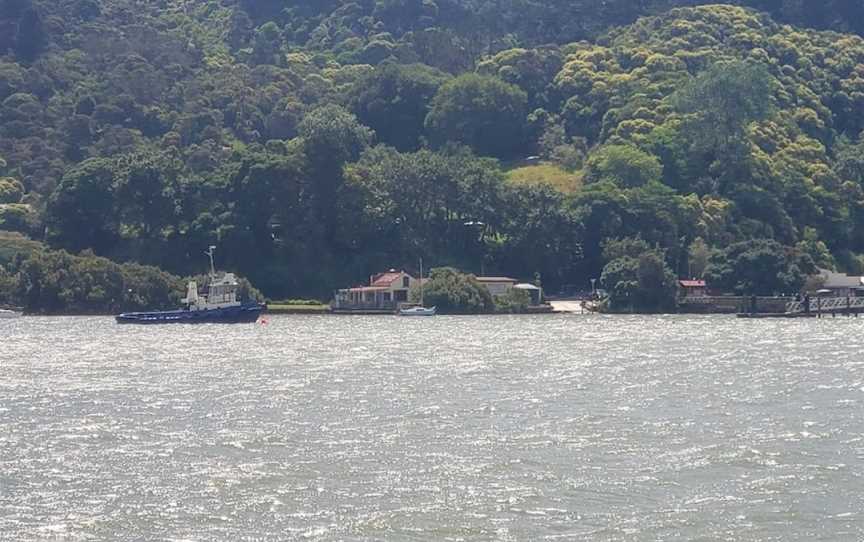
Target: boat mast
x=210, y=252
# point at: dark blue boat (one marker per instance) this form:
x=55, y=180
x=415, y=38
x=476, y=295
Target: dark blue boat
x=241, y=314
x=218, y=306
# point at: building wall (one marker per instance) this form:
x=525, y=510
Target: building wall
x=498, y=288
x=397, y=286
x=695, y=292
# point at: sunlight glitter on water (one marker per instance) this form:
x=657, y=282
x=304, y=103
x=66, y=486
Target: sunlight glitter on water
x=505, y=428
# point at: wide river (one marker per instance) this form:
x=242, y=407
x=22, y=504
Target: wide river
x=563, y=427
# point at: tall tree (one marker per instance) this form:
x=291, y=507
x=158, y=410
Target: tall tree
x=394, y=100
x=720, y=104
x=482, y=112
x=331, y=137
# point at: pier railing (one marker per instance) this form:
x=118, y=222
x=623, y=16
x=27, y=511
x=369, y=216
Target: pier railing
x=827, y=305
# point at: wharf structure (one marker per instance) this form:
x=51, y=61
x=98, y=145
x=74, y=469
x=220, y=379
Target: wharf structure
x=839, y=295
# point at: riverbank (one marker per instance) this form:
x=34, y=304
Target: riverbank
x=298, y=309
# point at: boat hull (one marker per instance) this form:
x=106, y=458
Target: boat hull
x=241, y=314
x=418, y=311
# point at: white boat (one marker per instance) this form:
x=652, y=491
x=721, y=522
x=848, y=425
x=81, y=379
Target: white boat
x=6, y=314
x=418, y=310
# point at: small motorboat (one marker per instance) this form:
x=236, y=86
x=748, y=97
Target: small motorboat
x=7, y=314
x=418, y=311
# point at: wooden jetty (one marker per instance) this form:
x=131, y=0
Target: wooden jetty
x=818, y=307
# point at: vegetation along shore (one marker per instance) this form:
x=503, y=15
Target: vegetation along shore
x=565, y=143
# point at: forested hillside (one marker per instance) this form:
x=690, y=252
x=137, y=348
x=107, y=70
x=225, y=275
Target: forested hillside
x=317, y=142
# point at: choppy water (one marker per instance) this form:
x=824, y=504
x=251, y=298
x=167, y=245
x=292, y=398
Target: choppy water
x=380, y=428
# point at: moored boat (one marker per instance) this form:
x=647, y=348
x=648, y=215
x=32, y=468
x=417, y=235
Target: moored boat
x=418, y=311
x=219, y=306
x=6, y=314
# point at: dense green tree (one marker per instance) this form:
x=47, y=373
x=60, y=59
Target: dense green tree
x=532, y=70
x=394, y=100
x=11, y=190
x=482, y=112
x=625, y=247
x=267, y=44
x=624, y=165
x=541, y=234
x=19, y=217
x=720, y=104
x=453, y=292
x=513, y=301
x=147, y=138
x=430, y=203
x=30, y=38
x=816, y=249
x=698, y=256
x=759, y=267
x=270, y=195
x=81, y=211
x=331, y=138
x=638, y=278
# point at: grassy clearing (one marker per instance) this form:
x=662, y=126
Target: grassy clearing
x=546, y=174
x=13, y=244
x=297, y=309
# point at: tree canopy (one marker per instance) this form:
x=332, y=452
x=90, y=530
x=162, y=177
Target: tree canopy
x=319, y=142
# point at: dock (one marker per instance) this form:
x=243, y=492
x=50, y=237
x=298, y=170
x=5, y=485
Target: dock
x=818, y=307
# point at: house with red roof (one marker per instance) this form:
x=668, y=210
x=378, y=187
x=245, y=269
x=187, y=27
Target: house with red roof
x=385, y=292
x=693, y=288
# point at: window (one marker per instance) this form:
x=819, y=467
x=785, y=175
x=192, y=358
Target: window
x=406, y=282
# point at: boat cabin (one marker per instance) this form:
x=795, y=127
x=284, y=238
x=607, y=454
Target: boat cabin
x=221, y=292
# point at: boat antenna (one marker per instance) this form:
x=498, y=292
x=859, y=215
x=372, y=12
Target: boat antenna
x=210, y=252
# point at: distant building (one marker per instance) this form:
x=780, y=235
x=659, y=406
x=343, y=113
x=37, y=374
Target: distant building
x=384, y=293
x=497, y=285
x=693, y=288
x=841, y=285
x=534, y=292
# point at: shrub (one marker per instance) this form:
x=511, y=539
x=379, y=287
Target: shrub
x=453, y=292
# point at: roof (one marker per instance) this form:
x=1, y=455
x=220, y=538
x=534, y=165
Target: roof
x=693, y=283
x=834, y=281
x=386, y=279
x=362, y=289
x=527, y=286
x=496, y=279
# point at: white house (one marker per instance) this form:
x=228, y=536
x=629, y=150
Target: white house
x=385, y=292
